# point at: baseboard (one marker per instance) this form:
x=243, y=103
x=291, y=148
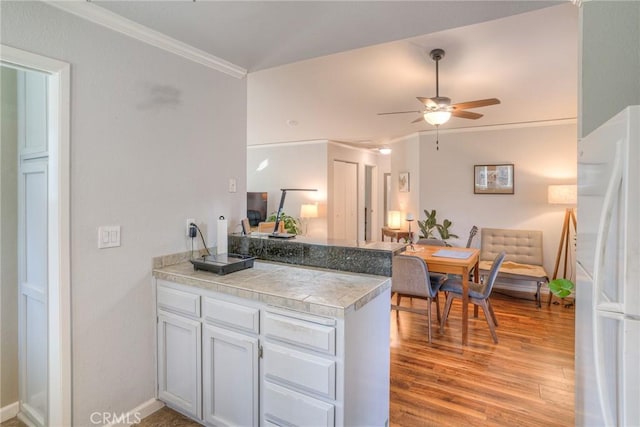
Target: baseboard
x=139, y=412
x=9, y=411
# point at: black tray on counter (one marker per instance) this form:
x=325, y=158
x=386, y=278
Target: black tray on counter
x=223, y=263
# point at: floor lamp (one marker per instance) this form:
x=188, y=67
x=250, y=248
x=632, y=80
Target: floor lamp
x=563, y=195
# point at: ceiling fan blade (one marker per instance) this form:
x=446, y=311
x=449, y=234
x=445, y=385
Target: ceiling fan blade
x=419, y=119
x=399, y=112
x=475, y=104
x=427, y=102
x=465, y=114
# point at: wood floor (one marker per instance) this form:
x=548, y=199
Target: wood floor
x=527, y=379
x=524, y=380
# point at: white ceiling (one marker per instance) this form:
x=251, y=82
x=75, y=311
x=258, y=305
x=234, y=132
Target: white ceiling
x=330, y=66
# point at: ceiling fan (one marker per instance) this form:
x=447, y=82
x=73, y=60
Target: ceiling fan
x=438, y=110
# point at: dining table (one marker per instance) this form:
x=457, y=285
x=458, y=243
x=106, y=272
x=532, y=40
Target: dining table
x=451, y=260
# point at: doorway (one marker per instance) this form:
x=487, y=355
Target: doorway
x=345, y=200
x=42, y=220
x=370, y=201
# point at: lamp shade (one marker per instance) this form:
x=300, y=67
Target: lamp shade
x=309, y=210
x=562, y=194
x=393, y=219
x=437, y=117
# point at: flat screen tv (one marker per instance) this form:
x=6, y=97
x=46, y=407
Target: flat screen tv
x=256, y=207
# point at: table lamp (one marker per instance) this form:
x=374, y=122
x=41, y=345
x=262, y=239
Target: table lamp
x=308, y=210
x=393, y=220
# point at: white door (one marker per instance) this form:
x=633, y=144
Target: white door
x=230, y=378
x=43, y=314
x=179, y=363
x=345, y=200
x=32, y=279
x=33, y=242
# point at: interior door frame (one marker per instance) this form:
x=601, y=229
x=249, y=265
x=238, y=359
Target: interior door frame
x=59, y=248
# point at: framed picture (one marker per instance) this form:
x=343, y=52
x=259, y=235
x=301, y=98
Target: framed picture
x=403, y=182
x=493, y=179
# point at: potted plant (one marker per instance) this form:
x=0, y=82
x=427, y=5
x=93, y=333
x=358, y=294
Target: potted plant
x=561, y=288
x=291, y=224
x=429, y=226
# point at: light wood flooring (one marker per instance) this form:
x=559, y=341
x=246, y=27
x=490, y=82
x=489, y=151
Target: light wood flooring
x=527, y=379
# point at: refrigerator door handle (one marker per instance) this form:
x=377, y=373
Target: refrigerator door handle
x=605, y=221
x=603, y=234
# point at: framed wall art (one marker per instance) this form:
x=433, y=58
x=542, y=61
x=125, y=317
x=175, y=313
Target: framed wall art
x=403, y=182
x=493, y=179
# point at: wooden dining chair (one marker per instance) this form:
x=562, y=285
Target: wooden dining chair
x=410, y=277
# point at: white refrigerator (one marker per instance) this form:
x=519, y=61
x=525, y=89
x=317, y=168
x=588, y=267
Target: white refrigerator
x=608, y=274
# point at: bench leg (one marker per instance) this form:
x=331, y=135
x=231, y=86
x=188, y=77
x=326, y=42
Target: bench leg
x=538, y=295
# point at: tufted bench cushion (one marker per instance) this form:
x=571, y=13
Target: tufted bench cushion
x=524, y=255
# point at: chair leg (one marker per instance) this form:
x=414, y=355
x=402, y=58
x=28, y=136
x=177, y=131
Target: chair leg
x=429, y=317
x=475, y=310
x=487, y=315
x=399, y=298
x=493, y=314
x=445, y=313
x=438, y=308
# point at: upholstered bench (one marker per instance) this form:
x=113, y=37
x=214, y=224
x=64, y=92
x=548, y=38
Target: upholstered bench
x=524, y=256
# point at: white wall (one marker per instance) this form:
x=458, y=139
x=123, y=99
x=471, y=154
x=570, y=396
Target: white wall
x=610, y=68
x=8, y=239
x=292, y=165
x=309, y=164
x=154, y=139
x=541, y=156
x=405, y=158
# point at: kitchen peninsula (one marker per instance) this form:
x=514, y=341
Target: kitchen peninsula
x=275, y=344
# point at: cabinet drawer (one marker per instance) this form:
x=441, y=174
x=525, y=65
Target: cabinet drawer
x=300, y=332
x=230, y=314
x=287, y=406
x=178, y=301
x=302, y=370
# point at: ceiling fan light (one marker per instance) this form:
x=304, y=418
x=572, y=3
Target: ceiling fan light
x=437, y=118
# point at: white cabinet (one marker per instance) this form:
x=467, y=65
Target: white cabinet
x=230, y=361
x=179, y=363
x=230, y=377
x=300, y=369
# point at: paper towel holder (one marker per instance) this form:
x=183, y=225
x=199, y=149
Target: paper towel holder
x=275, y=233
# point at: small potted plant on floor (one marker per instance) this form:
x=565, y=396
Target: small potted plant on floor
x=562, y=288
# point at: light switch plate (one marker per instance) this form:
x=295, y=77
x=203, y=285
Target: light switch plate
x=108, y=236
x=232, y=185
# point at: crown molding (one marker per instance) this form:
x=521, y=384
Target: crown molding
x=287, y=143
x=115, y=22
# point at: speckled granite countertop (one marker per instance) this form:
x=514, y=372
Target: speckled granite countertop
x=307, y=289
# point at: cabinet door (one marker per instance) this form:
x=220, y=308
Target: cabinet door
x=179, y=363
x=230, y=377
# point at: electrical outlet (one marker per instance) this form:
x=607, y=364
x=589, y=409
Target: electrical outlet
x=189, y=221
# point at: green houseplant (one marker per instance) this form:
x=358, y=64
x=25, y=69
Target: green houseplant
x=429, y=226
x=291, y=225
x=561, y=288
